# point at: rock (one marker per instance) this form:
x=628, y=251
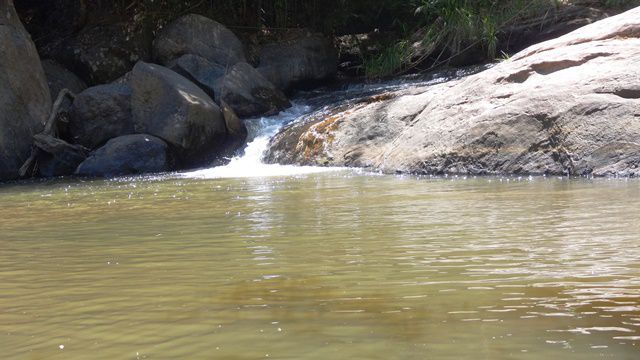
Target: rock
x=60, y=78
x=127, y=155
x=235, y=126
x=199, y=70
x=305, y=60
x=554, y=22
x=25, y=101
x=198, y=35
x=167, y=105
x=566, y=106
x=241, y=86
x=248, y=93
x=100, y=113
x=101, y=54
x=59, y=158
x=236, y=129
x=48, y=21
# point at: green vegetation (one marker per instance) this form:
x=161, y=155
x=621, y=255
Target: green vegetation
x=419, y=33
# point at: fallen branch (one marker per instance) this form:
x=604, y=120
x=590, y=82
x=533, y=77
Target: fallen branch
x=29, y=168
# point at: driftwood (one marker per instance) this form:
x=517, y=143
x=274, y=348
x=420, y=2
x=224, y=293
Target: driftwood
x=47, y=140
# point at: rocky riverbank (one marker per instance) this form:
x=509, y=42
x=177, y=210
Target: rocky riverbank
x=118, y=98
x=179, y=105
x=569, y=106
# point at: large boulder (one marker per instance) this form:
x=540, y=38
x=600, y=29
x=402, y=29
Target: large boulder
x=100, y=113
x=60, y=78
x=566, y=106
x=301, y=61
x=25, y=101
x=102, y=53
x=199, y=70
x=198, y=35
x=242, y=87
x=248, y=93
x=167, y=105
x=127, y=155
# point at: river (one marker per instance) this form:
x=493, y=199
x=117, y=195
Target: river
x=251, y=261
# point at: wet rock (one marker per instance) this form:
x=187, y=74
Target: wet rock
x=25, y=101
x=198, y=35
x=304, y=60
x=235, y=126
x=167, y=105
x=100, y=113
x=101, y=54
x=248, y=93
x=58, y=157
x=60, y=78
x=236, y=129
x=565, y=106
x=127, y=155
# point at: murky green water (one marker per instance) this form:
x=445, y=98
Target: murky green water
x=330, y=266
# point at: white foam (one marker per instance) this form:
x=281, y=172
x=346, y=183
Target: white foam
x=250, y=163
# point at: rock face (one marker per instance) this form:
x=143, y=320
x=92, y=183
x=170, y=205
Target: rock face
x=60, y=78
x=25, y=101
x=198, y=35
x=100, y=113
x=304, y=60
x=167, y=105
x=103, y=53
x=127, y=155
x=248, y=93
x=566, y=106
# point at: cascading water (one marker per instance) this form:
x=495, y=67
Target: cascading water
x=250, y=164
x=261, y=130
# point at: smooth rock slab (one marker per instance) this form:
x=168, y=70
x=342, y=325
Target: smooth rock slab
x=127, y=155
x=569, y=106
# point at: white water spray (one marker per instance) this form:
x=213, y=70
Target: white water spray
x=250, y=164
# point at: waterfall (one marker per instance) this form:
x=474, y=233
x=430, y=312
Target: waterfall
x=261, y=130
x=249, y=164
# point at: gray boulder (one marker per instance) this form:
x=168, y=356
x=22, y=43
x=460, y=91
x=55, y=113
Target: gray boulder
x=101, y=54
x=127, y=155
x=25, y=101
x=167, y=105
x=568, y=106
x=198, y=35
x=200, y=71
x=100, y=113
x=242, y=87
x=60, y=78
x=304, y=60
x=248, y=93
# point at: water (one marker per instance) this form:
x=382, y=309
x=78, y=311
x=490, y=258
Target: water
x=261, y=130
x=249, y=163
x=252, y=261
x=317, y=266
